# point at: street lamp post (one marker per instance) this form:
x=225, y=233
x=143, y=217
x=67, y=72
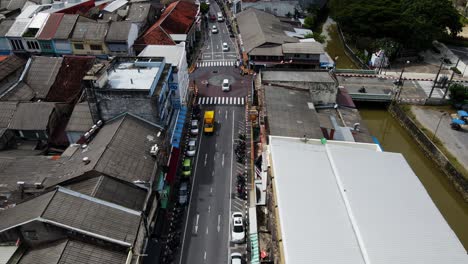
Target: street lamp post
x=438, y=124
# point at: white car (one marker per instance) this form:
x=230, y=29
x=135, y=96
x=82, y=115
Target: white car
x=236, y=258
x=225, y=87
x=225, y=46
x=194, y=127
x=191, y=148
x=238, y=232
x=214, y=30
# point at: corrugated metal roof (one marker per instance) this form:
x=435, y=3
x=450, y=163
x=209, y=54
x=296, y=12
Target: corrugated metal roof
x=50, y=27
x=118, y=31
x=78, y=252
x=18, y=28
x=81, y=119
x=7, y=110
x=66, y=26
x=90, y=31
x=303, y=48
x=6, y=252
x=358, y=205
x=5, y=26
x=42, y=73
x=45, y=254
x=32, y=116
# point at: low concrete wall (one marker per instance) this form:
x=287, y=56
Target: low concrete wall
x=432, y=151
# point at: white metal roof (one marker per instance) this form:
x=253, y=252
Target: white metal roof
x=6, y=252
x=350, y=203
x=173, y=53
x=112, y=7
x=39, y=20
x=18, y=27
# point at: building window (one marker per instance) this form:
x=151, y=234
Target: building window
x=95, y=47
x=296, y=55
x=46, y=46
x=17, y=44
x=78, y=46
x=32, y=45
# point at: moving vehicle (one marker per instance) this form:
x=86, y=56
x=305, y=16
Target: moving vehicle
x=236, y=258
x=214, y=30
x=187, y=167
x=183, y=193
x=220, y=17
x=194, y=127
x=238, y=232
x=225, y=46
x=225, y=87
x=212, y=17
x=191, y=147
x=209, y=122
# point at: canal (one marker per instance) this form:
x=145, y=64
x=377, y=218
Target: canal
x=394, y=138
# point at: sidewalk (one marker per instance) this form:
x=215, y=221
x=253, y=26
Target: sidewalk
x=456, y=142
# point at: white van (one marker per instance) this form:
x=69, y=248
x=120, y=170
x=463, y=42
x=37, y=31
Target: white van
x=220, y=17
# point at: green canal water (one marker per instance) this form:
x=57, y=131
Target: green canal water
x=394, y=138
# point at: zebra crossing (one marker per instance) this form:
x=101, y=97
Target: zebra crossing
x=216, y=63
x=221, y=100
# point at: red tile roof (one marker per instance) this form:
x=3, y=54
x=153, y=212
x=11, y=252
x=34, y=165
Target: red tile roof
x=176, y=19
x=181, y=18
x=67, y=85
x=50, y=27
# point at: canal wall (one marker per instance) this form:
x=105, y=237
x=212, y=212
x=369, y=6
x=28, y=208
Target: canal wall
x=431, y=150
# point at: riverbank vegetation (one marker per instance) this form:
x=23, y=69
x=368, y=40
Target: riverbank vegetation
x=413, y=24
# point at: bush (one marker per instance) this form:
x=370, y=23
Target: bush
x=458, y=93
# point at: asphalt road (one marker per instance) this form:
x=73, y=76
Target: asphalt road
x=207, y=231
x=213, y=54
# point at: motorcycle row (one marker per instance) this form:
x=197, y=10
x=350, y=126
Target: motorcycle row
x=240, y=151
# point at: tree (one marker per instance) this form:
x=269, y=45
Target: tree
x=204, y=8
x=289, y=15
x=412, y=23
x=458, y=93
x=309, y=22
x=317, y=36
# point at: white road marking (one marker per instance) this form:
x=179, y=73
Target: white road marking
x=196, y=224
x=206, y=157
x=222, y=161
x=207, y=47
x=219, y=222
x=204, y=256
x=209, y=208
x=211, y=189
x=226, y=113
x=207, y=230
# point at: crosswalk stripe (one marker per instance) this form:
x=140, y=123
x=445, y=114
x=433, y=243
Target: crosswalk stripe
x=221, y=100
x=224, y=63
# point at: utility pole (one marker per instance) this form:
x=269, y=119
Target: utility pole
x=437, y=77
